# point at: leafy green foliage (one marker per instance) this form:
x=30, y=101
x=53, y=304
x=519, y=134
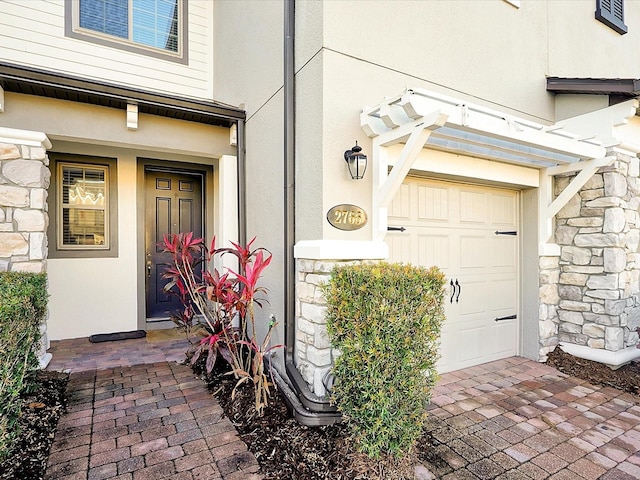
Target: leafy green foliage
x=23, y=305
x=385, y=320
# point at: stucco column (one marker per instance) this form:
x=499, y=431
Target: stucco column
x=24, y=179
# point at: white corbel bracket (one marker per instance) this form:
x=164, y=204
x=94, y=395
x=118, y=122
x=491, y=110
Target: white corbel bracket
x=132, y=116
x=549, y=207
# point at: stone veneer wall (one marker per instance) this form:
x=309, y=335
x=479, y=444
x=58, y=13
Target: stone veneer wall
x=313, y=353
x=24, y=179
x=589, y=295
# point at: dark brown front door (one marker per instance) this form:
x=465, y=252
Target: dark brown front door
x=173, y=205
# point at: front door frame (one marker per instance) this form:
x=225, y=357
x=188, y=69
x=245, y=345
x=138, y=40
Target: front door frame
x=143, y=165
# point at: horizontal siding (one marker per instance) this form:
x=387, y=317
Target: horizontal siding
x=32, y=35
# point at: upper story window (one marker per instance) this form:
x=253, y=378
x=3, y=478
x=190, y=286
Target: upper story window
x=152, y=27
x=611, y=13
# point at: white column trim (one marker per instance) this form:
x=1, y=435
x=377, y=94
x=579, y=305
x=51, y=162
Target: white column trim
x=24, y=137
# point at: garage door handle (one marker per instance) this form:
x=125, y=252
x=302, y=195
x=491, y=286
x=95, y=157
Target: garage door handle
x=453, y=291
x=508, y=317
x=459, y=290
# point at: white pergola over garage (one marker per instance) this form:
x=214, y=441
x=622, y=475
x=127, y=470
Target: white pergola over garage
x=419, y=119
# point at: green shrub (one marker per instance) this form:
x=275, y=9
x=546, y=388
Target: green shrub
x=23, y=304
x=385, y=320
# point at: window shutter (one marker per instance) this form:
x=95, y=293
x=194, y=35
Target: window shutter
x=611, y=13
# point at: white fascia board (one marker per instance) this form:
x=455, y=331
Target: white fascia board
x=341, y=250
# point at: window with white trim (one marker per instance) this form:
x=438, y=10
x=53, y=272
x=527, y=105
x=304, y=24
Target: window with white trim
x=153, y=27
x=82, y=207
x=611, y=13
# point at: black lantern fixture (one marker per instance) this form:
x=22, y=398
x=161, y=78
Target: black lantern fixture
x=356, y=161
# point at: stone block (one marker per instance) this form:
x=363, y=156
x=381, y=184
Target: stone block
x=574, y=306
x=571, y=209
x=570, y=317
x=615, y=259
x=570, y=292
x=315, y=279
x=575, y=255
x=26, y=173
x=595, y=342
x=30, y=220
x=565, y=235
x=597, y=308
x=37, y=246
x=548, y=263
x=614, y=220
x=615, y=307
x=13, y=243
x=314, y=313
x=601, y=319
x=634, y=167
x=599, y=240
x=589, y=231
x=632, y=339
x=305, y=326
x=305, y=291
x=11, y=196
x=632, y=239
x=603, y=282
x=547, y=329
x=4, y=265
x=569, y=328
x=319, y=357
x=595, y=182
x=606, y=202
x=561, y=182
x=321, y=338
x=592, y=212
x=631, y=217
x=2, y=215
x=603, y=294
x=587, y=269
x=587, y=195
x=9, y=151
x=593, y=330
x=614, y=338
x=549, y=294
x=38, y=200
x=585, y=222
x=549, y=276
x=615, y=184
x=578, y=279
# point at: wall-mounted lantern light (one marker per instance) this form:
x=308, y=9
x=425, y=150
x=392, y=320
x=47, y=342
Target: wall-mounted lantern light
x=356, y=161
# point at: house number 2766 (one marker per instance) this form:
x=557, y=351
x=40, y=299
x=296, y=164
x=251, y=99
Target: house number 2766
x=347, y=217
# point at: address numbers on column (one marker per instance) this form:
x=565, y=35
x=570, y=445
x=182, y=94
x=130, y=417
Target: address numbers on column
x=347, y=217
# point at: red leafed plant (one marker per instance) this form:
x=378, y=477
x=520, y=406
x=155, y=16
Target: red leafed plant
x=226, y=302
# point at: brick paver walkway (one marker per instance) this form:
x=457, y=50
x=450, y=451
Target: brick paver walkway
x=141, y=421
x=515, y=419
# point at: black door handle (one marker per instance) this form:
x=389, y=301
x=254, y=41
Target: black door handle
x=453, y=291
x=459, y=290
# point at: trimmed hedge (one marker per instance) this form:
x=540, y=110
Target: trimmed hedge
x=384, y=319
x=23, y=305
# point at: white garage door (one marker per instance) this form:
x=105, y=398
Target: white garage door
x=469, y=233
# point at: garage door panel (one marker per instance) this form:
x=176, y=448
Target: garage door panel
x=503, y=296
x=473, y=298
x=433, y=250
x=433, y=203
x=399, y=208
x=500, y=336
x=503, y=210
x=399, y=248
x=473, y=207
x=503, y=251
x=473, y=251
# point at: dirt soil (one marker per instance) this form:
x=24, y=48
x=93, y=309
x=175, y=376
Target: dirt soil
x=40, y=413
x=285, y=449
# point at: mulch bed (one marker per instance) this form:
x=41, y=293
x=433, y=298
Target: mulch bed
x=284, y=448
x=40, y=413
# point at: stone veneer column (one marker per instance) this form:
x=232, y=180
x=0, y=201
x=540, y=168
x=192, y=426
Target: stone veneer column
x=313, y=354
x=589, y=296
x=24, y=179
